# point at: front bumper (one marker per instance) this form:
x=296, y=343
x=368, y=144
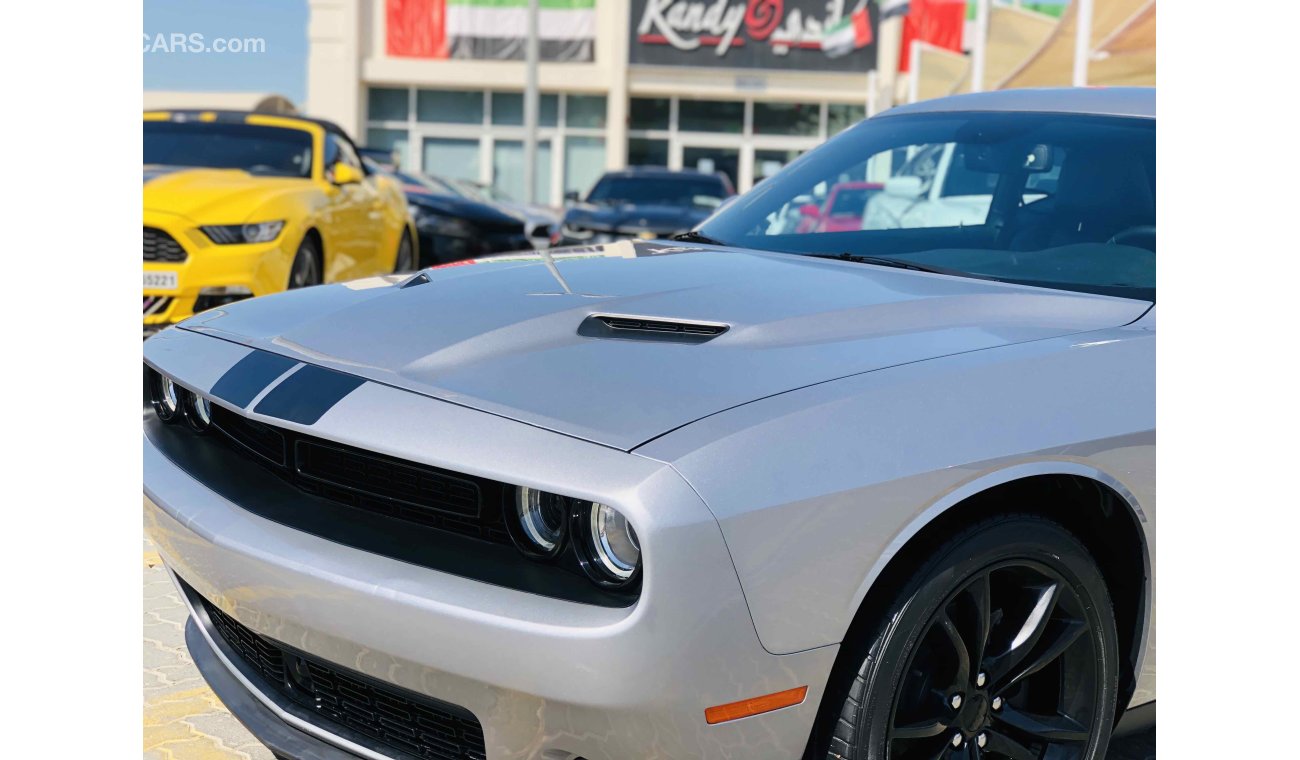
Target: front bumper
x=544, y=677
x=261, y=720
x=260, y=267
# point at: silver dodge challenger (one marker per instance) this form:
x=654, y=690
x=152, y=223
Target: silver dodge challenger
x=863, y=467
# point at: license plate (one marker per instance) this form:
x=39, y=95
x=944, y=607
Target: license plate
x=161, y=281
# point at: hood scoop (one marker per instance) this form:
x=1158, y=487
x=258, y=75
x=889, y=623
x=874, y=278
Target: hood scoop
x=628, y=327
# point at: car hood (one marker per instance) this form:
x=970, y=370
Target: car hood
x=221, y=196
x=503, y=335
x=654, y=218
x=463, y=208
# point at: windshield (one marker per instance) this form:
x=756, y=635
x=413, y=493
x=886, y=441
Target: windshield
x=1055, y=200
x=254, y=148
x=703, y=192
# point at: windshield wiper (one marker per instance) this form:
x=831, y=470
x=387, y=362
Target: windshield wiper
x=880, y=261
x=695, y=237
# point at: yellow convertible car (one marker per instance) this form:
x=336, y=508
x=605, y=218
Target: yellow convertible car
x=243, y=204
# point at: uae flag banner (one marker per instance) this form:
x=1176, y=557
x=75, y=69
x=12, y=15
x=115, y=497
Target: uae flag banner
x=494, y=30
x=849, y=34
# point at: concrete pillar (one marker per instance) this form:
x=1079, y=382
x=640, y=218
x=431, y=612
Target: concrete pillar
x=334, y=89
x=887, y=55
x=614, y=22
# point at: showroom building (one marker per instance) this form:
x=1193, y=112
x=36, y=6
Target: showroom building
x=739, y=86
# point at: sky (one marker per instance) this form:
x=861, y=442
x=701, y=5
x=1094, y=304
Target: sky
x=280, y=24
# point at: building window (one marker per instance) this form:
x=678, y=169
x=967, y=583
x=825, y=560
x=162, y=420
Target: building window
x=585, y=111
x=395, y=140
x=584, y=162
x=643, y=151
x=712, y=160
x=840, y=117
x=711, y=116
x=649, y=113
x=449, y=107
x=787, y=118
x=769, y=162
x=451, y=157
x=389, y=104
x=508, y=109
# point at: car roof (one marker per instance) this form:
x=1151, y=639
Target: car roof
x=659, y=171
x=1135, y=102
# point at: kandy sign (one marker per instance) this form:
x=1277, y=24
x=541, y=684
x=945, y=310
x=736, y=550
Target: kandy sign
x=819, y=35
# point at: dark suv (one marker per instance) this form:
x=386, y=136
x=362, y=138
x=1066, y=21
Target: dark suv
x=642, y=202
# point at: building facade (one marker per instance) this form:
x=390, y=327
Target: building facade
x=738, y=86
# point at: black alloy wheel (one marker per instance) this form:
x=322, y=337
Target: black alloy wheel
x=305, y=271
x=1003, y=646
x=405, y=261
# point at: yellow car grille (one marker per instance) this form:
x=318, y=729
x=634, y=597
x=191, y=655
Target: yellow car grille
x=159, y=246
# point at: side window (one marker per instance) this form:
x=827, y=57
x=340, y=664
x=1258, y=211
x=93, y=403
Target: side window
x=337, y=151
x=347, y=155
x=1039, y=184
x=923, y=164
x=331, y=152
x=963, y=181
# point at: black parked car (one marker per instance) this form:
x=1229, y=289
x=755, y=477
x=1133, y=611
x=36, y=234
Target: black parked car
x=642, y=202
x=452, y=227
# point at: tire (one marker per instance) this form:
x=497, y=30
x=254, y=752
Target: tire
x=306, y=268
x=894, y=697
x=405, y=261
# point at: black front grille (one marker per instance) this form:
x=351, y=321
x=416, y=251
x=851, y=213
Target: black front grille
x=156, y=304
x=262, y=440
x=414, y=725
x=408, y=484
x=370, y=481
x=159, y=246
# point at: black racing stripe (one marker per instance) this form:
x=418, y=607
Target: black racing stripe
x=250, y=376
x=307, y=394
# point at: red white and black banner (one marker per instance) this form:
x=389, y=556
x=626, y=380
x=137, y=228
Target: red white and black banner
x=807, y=35
x=489, y=29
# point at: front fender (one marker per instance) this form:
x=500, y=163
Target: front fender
x=817, y=489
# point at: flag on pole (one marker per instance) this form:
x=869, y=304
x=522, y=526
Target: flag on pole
x=848, y=34
x=937, y=22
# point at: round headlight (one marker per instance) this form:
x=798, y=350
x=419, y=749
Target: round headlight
x=541, y=518
x=198, y=411
x=166, y=398
x=613, y=543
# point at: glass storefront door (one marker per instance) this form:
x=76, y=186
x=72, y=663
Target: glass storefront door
x=451, y=157
x=769, y=161
x=508, y=169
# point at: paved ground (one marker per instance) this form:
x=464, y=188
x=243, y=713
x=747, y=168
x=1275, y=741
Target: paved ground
x=184, y=720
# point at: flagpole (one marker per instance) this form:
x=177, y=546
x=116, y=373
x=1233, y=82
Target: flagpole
x=1082, y=41
x=914, y=76
x=980, y=46
x=530, y=105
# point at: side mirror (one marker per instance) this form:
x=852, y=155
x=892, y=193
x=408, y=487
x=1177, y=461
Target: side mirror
x=345, y=174
x=903, y=187
x=810, y=210
x=571, y=196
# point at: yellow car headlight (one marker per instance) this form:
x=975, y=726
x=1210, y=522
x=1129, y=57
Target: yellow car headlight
x=233, y=234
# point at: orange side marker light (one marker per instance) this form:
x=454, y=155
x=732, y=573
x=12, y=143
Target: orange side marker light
x=756, y=706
